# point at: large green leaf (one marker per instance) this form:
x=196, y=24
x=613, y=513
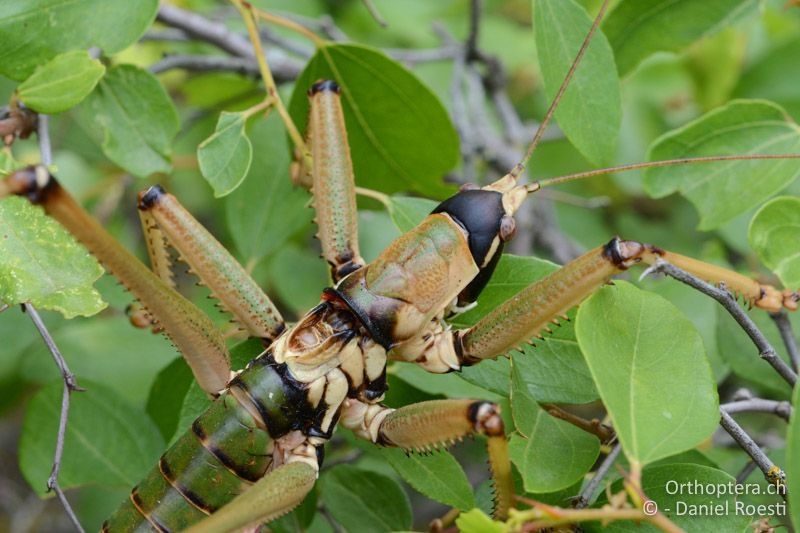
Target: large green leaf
x=649, y=366
x=775, y=236
x=266, y=210
x=400, y=136
x=476, y=521
x=61, y=83
x=438, y=476
x=549, y=453
x=364, y=501
x=637, y=29
x=590, y=111
x=33, y=31
x=136, y=117
x=408, y=211
x=167, y=394
x=775, y=77
x=41, y=263
x=105, y=350
x=722, y=190
x=673, y=487
x=793, y=459
x=108, y=442
x=225, y=157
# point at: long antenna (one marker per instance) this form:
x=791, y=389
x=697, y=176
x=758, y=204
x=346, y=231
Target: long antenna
x=520, y=167
x=650, y=164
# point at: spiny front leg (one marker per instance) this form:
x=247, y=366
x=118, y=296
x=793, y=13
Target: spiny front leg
x=333, y=182
x=532, y=310
x=426, y=425
x=162, y=214
x=193, y=333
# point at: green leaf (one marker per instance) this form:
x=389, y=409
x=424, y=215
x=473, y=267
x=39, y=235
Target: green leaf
x=299, y=276
x=476, y=521
x=649, y=366
x=88, y=345
x=590, y=112
x=774, y=76
x=775, y=236
x=61, y=83
x=400, y=136
x=549, y=453
x=167, y=394
x=722, y=190
x=793, y=459
x=41, y=263
x=407, y=211
x=438, y=476
x=364, y=501
x=33, y=31
x=136, y=117
x=108, y=442
x=637, y=29
x=225, y=157
x=266, y=209
x=672, y=488
x=554, y=371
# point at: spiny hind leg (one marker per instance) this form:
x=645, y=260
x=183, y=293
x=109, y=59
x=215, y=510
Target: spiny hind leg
x=190, y=330
x=426, y=425
x=332, y=180
x=531, y=311
x=164, y=221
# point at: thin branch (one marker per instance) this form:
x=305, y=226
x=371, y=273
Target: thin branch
x=782, y=409
x=781, y=320
x=200, y=63
x=745, y=472
x=205, y=30
x=70, y=385
x=43, y=132
x=374, y=13
x=587, y=494
x=772, y=473
x=169, y=35
x=471, y=45
x=765, y=349
x=595, y=427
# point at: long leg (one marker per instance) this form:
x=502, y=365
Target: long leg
x=163, y=216
x=533, y=309
x=435, y=423
x=272, y=496
x=333, y=184
x=192, y=332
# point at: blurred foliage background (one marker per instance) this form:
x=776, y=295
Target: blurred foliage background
x=266, y=222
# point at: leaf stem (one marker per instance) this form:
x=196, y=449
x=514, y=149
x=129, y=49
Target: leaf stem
x=246, y=10
x=288, y=24
x=375, y=195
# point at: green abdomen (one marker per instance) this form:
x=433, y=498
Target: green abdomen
x=219, y=457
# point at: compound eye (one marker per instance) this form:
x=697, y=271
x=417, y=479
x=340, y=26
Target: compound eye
x=508, y=228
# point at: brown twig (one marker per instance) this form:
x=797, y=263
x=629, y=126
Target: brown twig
x=595, y=427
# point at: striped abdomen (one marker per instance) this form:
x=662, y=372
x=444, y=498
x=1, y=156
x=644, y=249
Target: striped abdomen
x=219, y=457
